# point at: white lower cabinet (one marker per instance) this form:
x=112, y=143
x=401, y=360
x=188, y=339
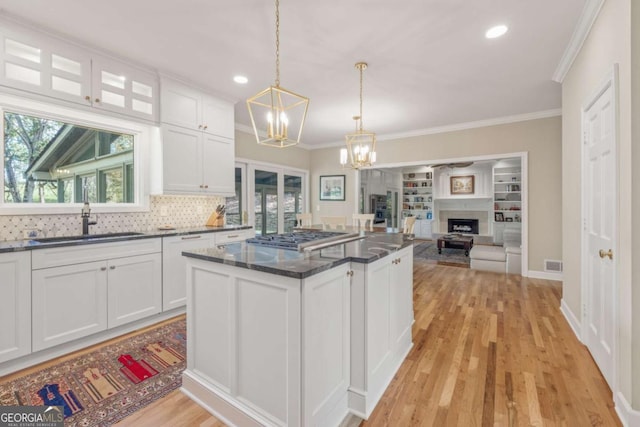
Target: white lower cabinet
x=174, y=266
x=69, y=302
x=381, y=319
x=15, y=305
x=134, y=288
x=93, y=288
x=224, y=237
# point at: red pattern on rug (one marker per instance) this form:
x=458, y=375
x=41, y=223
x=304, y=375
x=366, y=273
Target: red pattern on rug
x=136, y=370
x=95, y=389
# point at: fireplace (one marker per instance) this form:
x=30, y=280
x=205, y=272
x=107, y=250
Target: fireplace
x=460, y=225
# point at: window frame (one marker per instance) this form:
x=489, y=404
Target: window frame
x=142, y=135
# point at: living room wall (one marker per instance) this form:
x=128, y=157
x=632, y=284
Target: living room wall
x=541, y=138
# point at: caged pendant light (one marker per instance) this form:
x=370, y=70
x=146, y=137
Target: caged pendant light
x=361, y=145
x=277, y=114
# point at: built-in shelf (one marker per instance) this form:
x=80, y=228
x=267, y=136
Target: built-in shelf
x=507, y=194
x=417, y=195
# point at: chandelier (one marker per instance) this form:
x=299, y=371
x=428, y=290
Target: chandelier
x=361, y=145
x=277, y=114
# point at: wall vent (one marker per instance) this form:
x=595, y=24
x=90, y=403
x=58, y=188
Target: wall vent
x=553, y=266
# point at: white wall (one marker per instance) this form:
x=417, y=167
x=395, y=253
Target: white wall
x=608, y=43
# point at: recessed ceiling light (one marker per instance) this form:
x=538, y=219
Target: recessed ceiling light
x=496, y=31
x=240, y=79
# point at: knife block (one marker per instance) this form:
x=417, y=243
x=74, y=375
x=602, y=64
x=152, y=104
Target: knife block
x=215, y=220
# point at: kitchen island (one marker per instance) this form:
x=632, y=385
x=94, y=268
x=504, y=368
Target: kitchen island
x=289, y=338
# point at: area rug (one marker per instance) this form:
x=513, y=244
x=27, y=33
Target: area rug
x=108, y=384
x=452, y=257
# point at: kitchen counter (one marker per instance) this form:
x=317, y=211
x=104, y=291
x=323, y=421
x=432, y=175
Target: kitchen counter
x=300, y=265
x=22, y=245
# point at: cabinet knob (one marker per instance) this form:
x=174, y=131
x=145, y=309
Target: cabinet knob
x=103, y=268
x=199, y=126
x=87, y=98
x=97, y=99
x=113, y=267
x=350, y=273
x=200, y=185
x=206, y=186
x=205, y=127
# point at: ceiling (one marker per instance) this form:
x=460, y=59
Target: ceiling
x=429, y=62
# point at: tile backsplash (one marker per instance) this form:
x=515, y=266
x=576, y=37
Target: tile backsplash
x=181, y=211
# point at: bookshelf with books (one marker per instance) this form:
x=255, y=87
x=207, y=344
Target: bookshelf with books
x=417, y=195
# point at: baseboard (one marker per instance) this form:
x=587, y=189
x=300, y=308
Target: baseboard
x=218, y=405
x=628, y=416
x=572, y=320
x=544, y=275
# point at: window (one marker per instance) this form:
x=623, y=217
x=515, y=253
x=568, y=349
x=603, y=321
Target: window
x=50, y=161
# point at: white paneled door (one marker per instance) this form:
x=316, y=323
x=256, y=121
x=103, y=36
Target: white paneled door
x=600, y=225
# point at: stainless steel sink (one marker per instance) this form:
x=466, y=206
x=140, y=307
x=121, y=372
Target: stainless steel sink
x=85, y=237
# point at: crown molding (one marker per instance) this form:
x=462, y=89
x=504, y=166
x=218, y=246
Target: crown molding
x=583, y=27
x=455, y=127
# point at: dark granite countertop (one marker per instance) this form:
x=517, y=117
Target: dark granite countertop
x=299, y=265
x=22, y=245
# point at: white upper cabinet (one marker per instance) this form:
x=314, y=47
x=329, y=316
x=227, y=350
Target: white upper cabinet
x=120, y=88
x=44, y=65
x=187, y=107
x=198, y=150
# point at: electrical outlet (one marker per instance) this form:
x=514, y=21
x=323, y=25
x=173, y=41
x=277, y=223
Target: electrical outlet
x=164, y=211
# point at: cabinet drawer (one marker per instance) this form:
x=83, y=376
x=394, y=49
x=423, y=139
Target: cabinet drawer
x=54, y=257
x=233, y=236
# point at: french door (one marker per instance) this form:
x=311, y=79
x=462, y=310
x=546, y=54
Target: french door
x=278, y=195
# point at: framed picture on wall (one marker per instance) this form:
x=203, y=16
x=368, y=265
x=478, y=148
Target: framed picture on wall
x=332, y=187
x=462, y=184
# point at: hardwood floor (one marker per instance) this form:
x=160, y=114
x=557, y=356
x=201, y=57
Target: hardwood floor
x=489, y=350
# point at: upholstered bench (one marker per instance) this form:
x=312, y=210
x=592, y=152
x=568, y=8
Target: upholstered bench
x=501, y=259
x=514, y=259
x=488, y=258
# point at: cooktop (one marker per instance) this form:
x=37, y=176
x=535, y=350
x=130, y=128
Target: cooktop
x=299, y=239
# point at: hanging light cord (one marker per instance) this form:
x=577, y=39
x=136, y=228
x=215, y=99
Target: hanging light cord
x=277, y=43
x=360, y=97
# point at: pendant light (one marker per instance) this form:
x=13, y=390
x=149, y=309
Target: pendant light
x=361, y=145
x=277, y=114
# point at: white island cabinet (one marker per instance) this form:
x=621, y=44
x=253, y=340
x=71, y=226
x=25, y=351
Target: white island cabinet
x=287, y=338
x=381, y=319
x=276, y=347
x=15, y=305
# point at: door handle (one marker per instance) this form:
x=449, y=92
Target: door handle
x=604, y=254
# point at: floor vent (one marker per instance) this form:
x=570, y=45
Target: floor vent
x=553, y=266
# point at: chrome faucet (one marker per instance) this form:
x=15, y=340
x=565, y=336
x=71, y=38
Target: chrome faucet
x=86, y=214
